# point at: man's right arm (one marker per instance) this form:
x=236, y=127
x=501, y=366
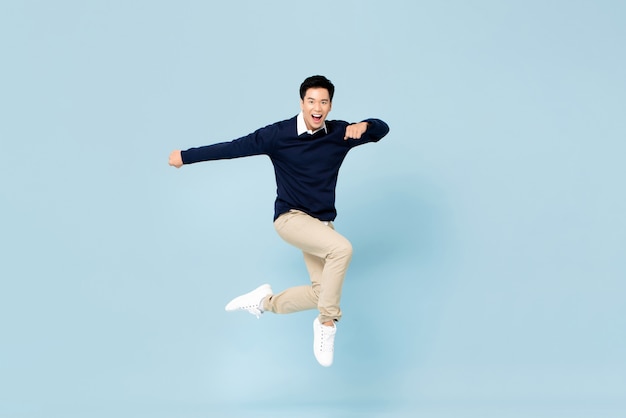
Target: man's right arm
x=252, y=144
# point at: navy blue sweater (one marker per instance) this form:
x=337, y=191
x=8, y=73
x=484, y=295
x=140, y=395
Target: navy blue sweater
x=306, y=166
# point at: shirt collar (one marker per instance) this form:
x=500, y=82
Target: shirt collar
x=302, y=129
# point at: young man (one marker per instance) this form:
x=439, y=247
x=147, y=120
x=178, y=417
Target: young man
x=307, y=152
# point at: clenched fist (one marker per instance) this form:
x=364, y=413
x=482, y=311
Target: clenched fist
x=176, y=160
x=355, y=130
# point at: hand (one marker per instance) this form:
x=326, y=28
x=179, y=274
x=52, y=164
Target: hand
x=355, y=131
x=176, y=160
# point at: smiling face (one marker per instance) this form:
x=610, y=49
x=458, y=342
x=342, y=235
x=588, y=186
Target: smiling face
x=315, y=107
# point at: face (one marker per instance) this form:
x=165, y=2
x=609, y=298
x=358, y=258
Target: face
x=315, y=107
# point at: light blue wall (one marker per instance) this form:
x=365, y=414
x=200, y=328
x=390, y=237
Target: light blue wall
x=488, y=226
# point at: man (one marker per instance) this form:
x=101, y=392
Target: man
x=306, y=152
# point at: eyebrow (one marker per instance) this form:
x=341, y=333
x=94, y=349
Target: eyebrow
x=321, y=100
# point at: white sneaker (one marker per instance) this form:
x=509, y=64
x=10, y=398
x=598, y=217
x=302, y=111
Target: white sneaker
x=251, y=301
x=323, y=342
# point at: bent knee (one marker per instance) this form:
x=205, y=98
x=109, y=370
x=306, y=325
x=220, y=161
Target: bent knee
x=342, y=250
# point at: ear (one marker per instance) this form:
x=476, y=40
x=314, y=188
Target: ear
x=302, y=104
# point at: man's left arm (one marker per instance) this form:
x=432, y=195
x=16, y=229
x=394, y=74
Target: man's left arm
x=374, y=129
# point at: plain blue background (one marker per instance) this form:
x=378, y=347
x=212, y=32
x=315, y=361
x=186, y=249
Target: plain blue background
x=488, y=226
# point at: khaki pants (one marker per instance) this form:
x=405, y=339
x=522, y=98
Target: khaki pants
x=327, y=255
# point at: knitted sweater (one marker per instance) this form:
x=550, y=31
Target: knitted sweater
x=306, y=166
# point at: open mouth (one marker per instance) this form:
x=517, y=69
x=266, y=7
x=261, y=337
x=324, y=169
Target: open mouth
x=317, y=118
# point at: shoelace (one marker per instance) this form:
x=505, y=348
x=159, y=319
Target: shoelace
x=327, y=342
x=254, y=310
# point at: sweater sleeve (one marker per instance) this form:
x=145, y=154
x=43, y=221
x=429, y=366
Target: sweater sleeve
x=255, y=143
x=376, y=130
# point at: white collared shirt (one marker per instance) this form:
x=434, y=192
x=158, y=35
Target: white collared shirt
x=302, y=126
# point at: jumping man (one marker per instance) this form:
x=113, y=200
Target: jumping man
x=306, y=152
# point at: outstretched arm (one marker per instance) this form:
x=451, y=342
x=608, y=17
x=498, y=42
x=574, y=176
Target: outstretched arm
x=255, y=143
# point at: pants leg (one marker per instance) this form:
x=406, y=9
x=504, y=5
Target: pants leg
x=327, y=255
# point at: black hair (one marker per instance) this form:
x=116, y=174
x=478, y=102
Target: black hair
x=317, y=81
